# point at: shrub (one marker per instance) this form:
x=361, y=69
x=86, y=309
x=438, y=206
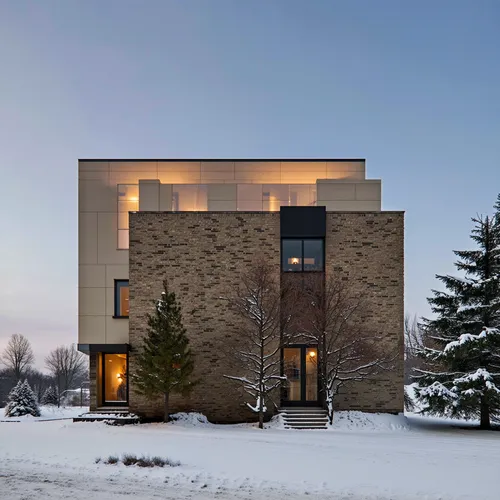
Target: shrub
x=129, y=459
x=172, y=463
x=112, y=459
x=159, y=462
x=145, y=462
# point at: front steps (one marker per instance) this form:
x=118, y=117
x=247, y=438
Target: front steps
x=304, y=418
x=109, y=415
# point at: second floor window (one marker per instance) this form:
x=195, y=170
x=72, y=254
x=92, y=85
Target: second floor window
x=302, y=255
x=121, y=299
x=128, y=201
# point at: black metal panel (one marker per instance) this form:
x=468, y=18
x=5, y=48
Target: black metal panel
x=106, y=348
x=303, y=222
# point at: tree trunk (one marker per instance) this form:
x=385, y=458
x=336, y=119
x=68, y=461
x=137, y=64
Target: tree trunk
x=261, y=381
x=165, y=407
x=261, y=408
x=323, y=372
x=485, y=415
x=329, y=406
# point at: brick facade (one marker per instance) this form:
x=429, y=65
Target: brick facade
x=202, y=254
x=368, y=247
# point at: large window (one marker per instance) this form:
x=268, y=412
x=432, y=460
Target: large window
x=189, y=198
x=128, y=201
x=302, y=255
x=121, y=299
x=114, y=383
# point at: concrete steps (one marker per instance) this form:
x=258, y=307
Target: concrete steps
x=304, y=418
x=111, y=416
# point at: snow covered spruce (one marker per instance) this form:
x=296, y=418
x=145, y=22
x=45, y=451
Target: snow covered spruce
x=49, y=397
x=22, y=401
x=461, y=376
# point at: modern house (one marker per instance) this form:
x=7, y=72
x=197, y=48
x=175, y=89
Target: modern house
x=199, y=223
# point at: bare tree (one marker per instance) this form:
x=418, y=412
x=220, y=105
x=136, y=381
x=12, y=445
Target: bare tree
x=413, y=345
x=259, y=302
x=66, y=365
x=18, y=355
x=347, y=349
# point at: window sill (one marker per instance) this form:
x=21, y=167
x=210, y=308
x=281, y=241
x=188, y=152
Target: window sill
x=120, y=317
x=303, y=271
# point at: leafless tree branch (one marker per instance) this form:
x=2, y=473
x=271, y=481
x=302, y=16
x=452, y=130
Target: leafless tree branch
x=18, y=355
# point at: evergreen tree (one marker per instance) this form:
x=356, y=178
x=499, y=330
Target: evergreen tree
x=497, y=207
x=22, y=401
x=165, y=362
x=463, y=341
x=50, y=397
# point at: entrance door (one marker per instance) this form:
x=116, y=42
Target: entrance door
x=114, y=380
x=300, y=365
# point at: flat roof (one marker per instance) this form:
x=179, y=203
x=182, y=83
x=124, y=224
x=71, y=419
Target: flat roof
x=224, y=159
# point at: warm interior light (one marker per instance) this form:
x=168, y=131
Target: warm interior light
x=294, y=260
x=118, y=376
x=312, y=354
x=133, y=198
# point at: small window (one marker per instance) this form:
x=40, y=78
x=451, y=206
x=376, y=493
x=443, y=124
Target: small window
x=313, y=255
x=121, y=299
x=291, y=255
x=302, y=255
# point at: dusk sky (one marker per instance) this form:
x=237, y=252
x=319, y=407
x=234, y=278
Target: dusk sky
x=413, y=87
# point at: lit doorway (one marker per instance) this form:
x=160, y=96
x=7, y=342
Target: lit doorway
x=114, y=379
x=300, y=365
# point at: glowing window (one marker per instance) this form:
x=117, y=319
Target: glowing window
x=121, y=299
x=302, y=255
x=128, y=201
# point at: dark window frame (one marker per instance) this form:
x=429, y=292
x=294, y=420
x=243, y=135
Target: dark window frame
x=105, y=403
x=303, y=401
x=302, y=264
x=118, y=285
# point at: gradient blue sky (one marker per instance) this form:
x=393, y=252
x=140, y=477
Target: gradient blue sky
x=413, y=87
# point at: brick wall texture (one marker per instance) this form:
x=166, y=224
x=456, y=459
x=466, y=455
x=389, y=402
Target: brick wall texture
x=203, y=254
x=93, y=381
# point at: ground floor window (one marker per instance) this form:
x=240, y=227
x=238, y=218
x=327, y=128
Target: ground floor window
x=114, y=381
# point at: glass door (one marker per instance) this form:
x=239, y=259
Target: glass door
x=300, y=366
x=115, y=383
x=292, y=369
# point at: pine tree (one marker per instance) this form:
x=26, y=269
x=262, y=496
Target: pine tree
x=463, y=342
x=49, y=397
x=22, y=401
x=165, y=362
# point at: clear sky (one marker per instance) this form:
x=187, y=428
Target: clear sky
x=413, y=87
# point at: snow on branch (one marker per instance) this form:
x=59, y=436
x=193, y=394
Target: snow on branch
x=469, y=337
x=439, y=390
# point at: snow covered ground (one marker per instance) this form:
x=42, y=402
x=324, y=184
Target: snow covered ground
x=363, y=458
x=46, y=413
